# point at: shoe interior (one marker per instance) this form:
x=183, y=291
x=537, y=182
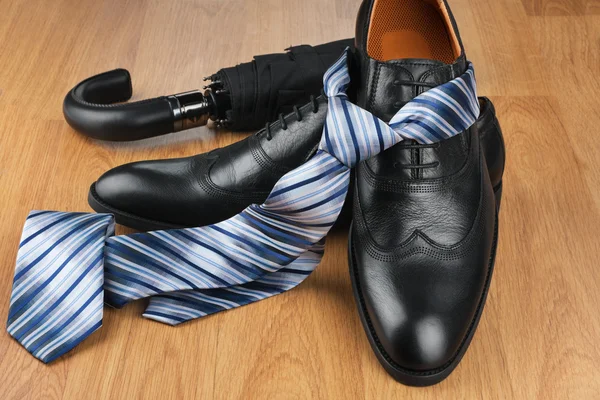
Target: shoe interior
x=412, y=29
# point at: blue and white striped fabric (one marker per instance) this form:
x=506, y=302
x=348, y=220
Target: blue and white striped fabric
x=267, y=249
x=57, y=294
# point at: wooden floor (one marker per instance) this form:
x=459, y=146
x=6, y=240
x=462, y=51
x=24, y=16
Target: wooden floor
x=538, y=60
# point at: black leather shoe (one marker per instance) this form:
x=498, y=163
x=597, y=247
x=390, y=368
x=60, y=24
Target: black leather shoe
x=424, y=232
x=208, y=188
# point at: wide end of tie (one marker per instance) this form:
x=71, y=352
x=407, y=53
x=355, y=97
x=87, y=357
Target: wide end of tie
x=57, y=297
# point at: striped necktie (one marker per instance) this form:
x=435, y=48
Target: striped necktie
x=69, y=264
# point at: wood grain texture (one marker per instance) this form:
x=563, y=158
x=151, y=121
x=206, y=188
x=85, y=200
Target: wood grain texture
x=539, y=61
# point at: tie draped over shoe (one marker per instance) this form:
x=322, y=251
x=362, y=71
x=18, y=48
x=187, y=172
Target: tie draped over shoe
x=69, y=264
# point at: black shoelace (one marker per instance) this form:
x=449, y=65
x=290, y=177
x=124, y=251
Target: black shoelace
x=296, y=111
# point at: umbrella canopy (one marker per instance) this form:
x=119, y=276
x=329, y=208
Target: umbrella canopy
x=273, y=83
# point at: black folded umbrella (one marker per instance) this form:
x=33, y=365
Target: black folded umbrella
x=274, y=83
x=243, y=97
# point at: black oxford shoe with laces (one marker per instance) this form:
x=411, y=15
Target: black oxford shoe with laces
x=208, y=188
x=424, y=231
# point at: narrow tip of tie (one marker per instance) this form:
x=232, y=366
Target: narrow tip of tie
x=58, y=348
x=162, y=318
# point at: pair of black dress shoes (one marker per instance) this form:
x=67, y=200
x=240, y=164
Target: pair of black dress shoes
x=425, y=217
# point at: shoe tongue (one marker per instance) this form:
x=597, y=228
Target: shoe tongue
x=394, y=83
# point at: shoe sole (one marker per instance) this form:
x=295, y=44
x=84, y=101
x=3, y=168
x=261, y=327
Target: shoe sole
x=431, y=377
x=124, y=217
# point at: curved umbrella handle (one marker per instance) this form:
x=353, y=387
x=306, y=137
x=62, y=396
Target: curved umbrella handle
x=89, y=109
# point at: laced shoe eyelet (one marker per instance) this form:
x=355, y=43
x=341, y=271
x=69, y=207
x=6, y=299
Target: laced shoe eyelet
x=267, y=130
x=315, y=104
x=298, y=114
x=282, y=121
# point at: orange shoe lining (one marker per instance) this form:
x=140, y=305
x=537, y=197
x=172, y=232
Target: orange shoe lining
x=411, y=29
